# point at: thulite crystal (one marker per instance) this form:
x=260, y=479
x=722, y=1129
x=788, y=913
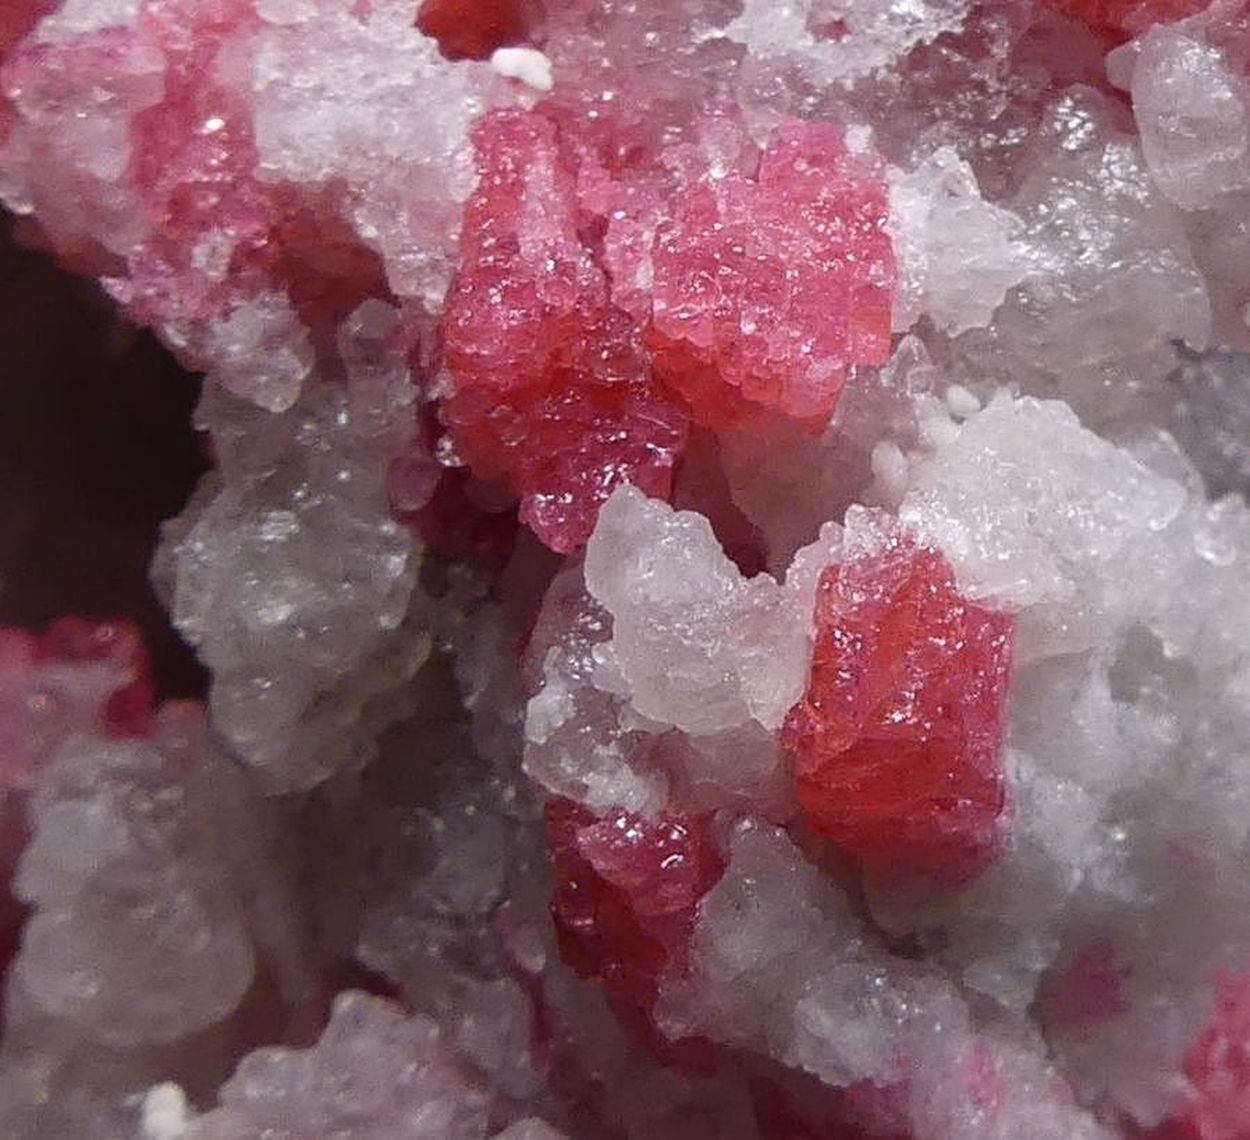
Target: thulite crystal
x=472, y=29
x=897, y=741
x=766, y=290
x=624, y=901
x=551, y=389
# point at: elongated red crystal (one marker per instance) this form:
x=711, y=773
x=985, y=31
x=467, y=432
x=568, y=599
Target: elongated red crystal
x=551, y=390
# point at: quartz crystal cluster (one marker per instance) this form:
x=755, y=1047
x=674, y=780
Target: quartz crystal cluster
x=724, y=577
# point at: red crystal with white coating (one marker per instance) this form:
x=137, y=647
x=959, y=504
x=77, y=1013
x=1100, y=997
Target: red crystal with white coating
x=897, y=741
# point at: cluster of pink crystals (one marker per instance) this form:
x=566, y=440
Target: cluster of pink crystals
x=581, y=336
x=766, y=289
x=897, y=744
x=767, y=305
x=551, y=391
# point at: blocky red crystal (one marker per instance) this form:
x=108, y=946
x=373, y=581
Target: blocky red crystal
x=551, y=390
x=897, y=742
x=473, y=29
x=766, y=289
x=626, y=889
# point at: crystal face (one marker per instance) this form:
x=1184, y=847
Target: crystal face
x=897, y=743
x=764, y=292
x=722, y=580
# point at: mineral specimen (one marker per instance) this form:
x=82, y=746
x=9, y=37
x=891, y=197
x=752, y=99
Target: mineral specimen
x=723, y=579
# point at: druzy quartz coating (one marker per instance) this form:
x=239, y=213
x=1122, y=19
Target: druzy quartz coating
x=723, y=578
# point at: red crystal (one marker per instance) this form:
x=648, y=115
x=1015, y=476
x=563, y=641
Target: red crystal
x=766, y=290
x=473, y=29
x=1088, y=991
x=551, y=390
x=1218, y=1067
x=1123, y=19
x=625, y=897
x=897, y=742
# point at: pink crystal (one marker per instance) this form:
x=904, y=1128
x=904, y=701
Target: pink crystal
x=768, y=289
x=897, y=741
x=550, y=387
x=624, y=902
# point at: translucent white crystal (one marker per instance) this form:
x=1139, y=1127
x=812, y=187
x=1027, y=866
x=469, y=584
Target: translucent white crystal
x=1111, y=273
x=66, y=157
x=138, y=934
x=956, y=253
x=334, y=106
x=1036, y=511
x=576, y=742
x=289, y=575
x=781, y=964
x=841, y=40
x=259, y=351
x=375, y=1074
x=699, y=646
x=1192, y=110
